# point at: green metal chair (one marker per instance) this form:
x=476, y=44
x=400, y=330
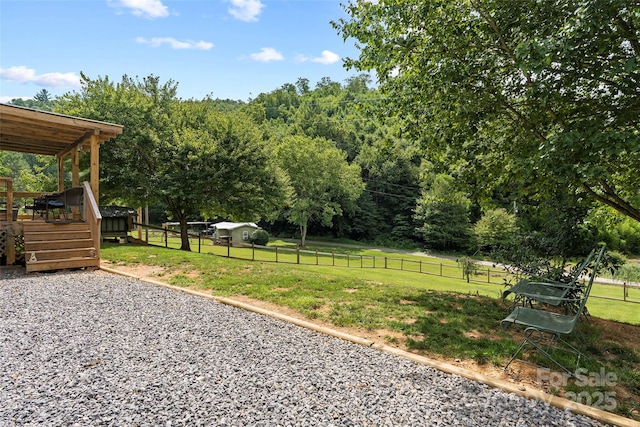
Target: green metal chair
x=545, y=329
x=549, y=292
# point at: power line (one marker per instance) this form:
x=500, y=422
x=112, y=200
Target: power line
x=395, y=185
x=390, y=194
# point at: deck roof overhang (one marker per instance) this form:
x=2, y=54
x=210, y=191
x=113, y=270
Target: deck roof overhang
x=39, y=132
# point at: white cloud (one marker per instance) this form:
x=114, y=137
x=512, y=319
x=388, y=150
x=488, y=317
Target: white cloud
x=327, y=58
x=267, y=54
x=246, y=10
x=175, y=44
x=145, y=8
x=23, y=74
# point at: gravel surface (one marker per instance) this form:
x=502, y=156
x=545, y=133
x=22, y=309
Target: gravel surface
x=92, y=348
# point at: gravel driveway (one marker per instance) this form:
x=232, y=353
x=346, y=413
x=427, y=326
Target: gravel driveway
x=96, y=349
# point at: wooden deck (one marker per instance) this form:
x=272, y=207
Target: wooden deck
x=56, y=244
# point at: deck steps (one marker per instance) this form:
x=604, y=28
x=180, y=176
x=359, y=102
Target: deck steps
x=57, y=246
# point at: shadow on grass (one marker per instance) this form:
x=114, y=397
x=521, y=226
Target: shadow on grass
x=468, y=326
x=463, y=325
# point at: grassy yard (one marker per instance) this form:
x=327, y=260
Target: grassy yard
x=438, y=316
x=437, y=273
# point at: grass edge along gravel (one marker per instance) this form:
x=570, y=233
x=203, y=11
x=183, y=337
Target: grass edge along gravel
x=440, y=322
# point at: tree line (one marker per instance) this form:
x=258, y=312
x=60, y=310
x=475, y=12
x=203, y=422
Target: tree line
x=496, y=126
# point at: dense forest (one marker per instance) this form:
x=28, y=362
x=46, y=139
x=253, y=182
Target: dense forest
x=321, y=161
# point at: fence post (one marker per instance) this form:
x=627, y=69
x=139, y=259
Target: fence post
x=401, y=264
x=347, y=260
x=229, y=248
x=374, y=261
x=440, y=269
x=316, y=257
x=361, y=261
x=624, y=290
x=488, y=276
x=298, y=254
x=385, y=262
x=253, y=251
x=420, y=266
x=276, y=254
x=199, y=244
x=166, y=238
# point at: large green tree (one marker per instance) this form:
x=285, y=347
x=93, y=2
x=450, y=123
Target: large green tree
x=390, y=169
x=188, y=155
x=322, y=181
x=389, y=163
x=545, y=91
x=443, y=215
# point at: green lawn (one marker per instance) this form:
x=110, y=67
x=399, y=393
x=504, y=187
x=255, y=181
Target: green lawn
x=438, y=315
x=438, y=274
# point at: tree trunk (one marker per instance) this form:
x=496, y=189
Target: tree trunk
x=184, y=234
x=303, y=234
x=182, y=219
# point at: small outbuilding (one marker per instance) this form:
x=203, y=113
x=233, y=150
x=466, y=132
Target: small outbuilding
x=237, y=232
x=117, y=221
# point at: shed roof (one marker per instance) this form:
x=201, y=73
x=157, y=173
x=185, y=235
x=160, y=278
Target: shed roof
x=113, y=211
x=233, y=225
x=40, y=132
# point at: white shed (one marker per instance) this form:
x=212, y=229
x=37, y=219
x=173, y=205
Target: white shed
x=239, y=232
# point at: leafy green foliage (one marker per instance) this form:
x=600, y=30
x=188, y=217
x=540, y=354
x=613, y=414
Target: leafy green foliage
x=189, y=155
x=469, y=267
x=443, y=214
x=321, y=180
x=496, y=227
x=41, y=101
x=259, y=237
x=618, y=232
x=544, y=92
x=388, y=161
x=629, y=272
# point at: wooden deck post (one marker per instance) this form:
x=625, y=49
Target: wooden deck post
x=95, y=171
x=8, y=185
x=60, y=159
x=75, y=169
x=11, y=246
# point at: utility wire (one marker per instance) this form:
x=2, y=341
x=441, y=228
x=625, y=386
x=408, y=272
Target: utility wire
x=391, y=194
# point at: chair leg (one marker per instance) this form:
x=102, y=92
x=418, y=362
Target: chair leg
x=522, y=345
x=536, y=339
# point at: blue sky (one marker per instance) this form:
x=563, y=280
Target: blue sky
x=233, y=49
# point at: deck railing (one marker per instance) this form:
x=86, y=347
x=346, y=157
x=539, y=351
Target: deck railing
x=14, y=212
x=92, y=216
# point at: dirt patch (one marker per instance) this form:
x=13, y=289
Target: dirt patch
x=141, y=270
x=618, y=332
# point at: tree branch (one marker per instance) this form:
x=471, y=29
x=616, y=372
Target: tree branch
x=629, y=32
x=610, y=198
